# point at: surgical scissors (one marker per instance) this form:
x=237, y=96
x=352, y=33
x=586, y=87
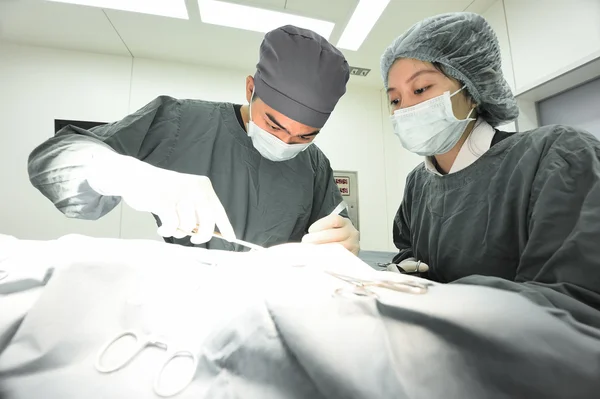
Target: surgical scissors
x=338, y=209
x=361, y=286
x=240, y=242
x=144, y=341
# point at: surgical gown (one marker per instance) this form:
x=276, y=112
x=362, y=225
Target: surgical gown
x=524, y=217
x=267, y=202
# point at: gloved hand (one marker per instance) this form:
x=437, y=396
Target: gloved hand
x=333, y=229
x=410, y=265
x=187, y=205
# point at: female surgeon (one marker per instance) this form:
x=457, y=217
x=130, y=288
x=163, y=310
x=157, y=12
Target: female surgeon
x=519, y=212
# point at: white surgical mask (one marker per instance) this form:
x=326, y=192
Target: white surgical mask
x=430, y=128
x=269, y=146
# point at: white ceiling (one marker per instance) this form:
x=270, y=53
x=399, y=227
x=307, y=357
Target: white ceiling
x=80, y=28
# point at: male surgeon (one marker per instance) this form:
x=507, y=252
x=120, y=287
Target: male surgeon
x=252, y=171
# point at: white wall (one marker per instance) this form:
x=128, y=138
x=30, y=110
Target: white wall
x=550, y=37
x=353, y=140
x=547, y=46
x=39, y=85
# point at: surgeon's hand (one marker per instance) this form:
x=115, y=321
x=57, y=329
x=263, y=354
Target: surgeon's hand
x=187, y=205
x=334, y=229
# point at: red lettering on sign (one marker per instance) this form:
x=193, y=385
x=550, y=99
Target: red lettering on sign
x=343, y=184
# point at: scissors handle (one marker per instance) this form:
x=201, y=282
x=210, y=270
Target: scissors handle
x=185, y=382
x=362, y=286
x=139, y=347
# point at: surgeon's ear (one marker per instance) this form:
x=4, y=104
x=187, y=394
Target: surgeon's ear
x=249, y=88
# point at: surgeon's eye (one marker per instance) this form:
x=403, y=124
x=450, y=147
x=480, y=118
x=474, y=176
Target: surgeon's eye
x=421, y=90
x=273, y=127
x=395, y=102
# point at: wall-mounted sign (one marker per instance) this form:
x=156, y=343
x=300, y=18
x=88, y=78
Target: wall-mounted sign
x=347, y=182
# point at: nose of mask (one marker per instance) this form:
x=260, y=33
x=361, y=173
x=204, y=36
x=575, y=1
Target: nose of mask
x=270, y=147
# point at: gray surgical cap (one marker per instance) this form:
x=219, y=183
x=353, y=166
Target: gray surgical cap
x=301, y=75
x=467, y=49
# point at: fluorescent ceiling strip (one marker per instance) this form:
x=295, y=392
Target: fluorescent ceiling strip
x=164, y=8
x=361, y=23
x=257, y=19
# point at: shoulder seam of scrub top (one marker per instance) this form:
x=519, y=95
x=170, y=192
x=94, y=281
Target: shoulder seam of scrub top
x=478, y=142
x=179, y=105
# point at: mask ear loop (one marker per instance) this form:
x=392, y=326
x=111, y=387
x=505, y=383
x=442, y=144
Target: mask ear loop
x=458, y=91
x=250, y=105
x=470, y=112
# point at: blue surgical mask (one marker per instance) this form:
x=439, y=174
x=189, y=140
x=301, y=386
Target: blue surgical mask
x=269, y=146
x=430, y=128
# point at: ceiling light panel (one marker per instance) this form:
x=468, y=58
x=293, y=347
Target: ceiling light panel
x=257, y=19
x=163, y=8
x=361, y=23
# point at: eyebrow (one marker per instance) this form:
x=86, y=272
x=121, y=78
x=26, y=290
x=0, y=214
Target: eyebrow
x=421, y=72
x=416, y=75
x=279, y=125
